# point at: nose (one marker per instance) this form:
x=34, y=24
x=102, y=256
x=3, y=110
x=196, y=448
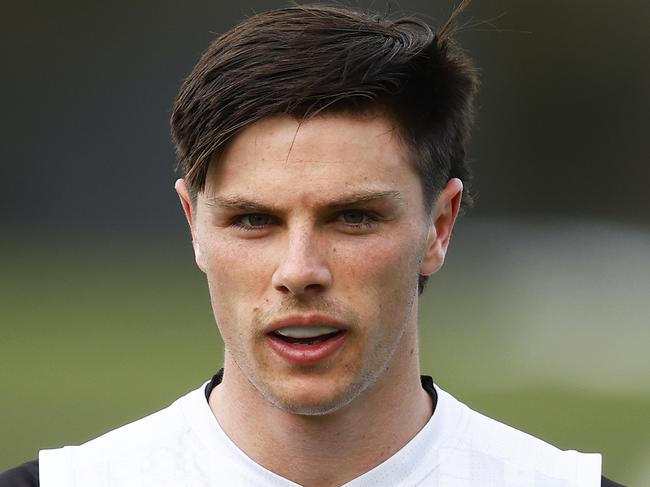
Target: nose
x=303, y=267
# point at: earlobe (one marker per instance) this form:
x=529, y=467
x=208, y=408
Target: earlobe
x=198, y=255
x=443, y=218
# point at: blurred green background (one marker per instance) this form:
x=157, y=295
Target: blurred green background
x=538, y=319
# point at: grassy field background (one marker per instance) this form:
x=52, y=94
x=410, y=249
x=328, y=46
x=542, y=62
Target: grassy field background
x=545, y=330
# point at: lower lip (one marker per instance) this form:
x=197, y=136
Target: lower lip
x=306, y=354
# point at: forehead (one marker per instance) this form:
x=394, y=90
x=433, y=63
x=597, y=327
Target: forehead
x=325, y=156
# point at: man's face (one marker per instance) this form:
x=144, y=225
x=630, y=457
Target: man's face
x=312, y=237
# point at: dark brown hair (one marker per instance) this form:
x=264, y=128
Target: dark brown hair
x=307, y=60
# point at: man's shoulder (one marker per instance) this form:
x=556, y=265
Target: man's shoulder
x=488, y=444
x=151, y=428
x=165, y=434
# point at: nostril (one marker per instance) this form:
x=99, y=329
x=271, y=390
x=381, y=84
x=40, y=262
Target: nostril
x=314, y=287
x=283, y=289
x=299, y=289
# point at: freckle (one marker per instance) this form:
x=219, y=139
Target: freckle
x=334, y=250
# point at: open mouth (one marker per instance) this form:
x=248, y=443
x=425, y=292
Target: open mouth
x=307, y=340
x=306, y=335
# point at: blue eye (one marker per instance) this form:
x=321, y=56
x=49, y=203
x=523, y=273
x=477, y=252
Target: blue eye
x=353, y=217
x=357, y=219
x=254, y=221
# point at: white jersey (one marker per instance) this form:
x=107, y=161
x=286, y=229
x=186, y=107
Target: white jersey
x=183, y=445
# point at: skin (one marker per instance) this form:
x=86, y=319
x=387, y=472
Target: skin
x=324, y=217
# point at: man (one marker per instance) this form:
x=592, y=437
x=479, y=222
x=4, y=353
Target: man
x=323, y=160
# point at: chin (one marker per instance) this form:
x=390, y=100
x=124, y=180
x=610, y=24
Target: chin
x=312, y=407
x=311, y=399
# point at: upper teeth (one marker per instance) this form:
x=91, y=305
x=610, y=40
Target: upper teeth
x=305, y=331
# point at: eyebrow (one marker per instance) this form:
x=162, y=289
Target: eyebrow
x=250, y=205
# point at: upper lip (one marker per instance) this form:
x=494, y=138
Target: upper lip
x=305, y=320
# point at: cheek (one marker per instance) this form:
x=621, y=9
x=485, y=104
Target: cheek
x=380, y=258
x=237, y=277
x=379, y=279
x=236, y=264
x=384, y=265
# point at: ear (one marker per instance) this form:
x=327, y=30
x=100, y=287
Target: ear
x=189, y=210
x=443, y=217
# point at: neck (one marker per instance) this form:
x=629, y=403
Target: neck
x=303, y=449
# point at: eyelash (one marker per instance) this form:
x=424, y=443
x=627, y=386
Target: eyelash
x=369, y=220
x=238, y=222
